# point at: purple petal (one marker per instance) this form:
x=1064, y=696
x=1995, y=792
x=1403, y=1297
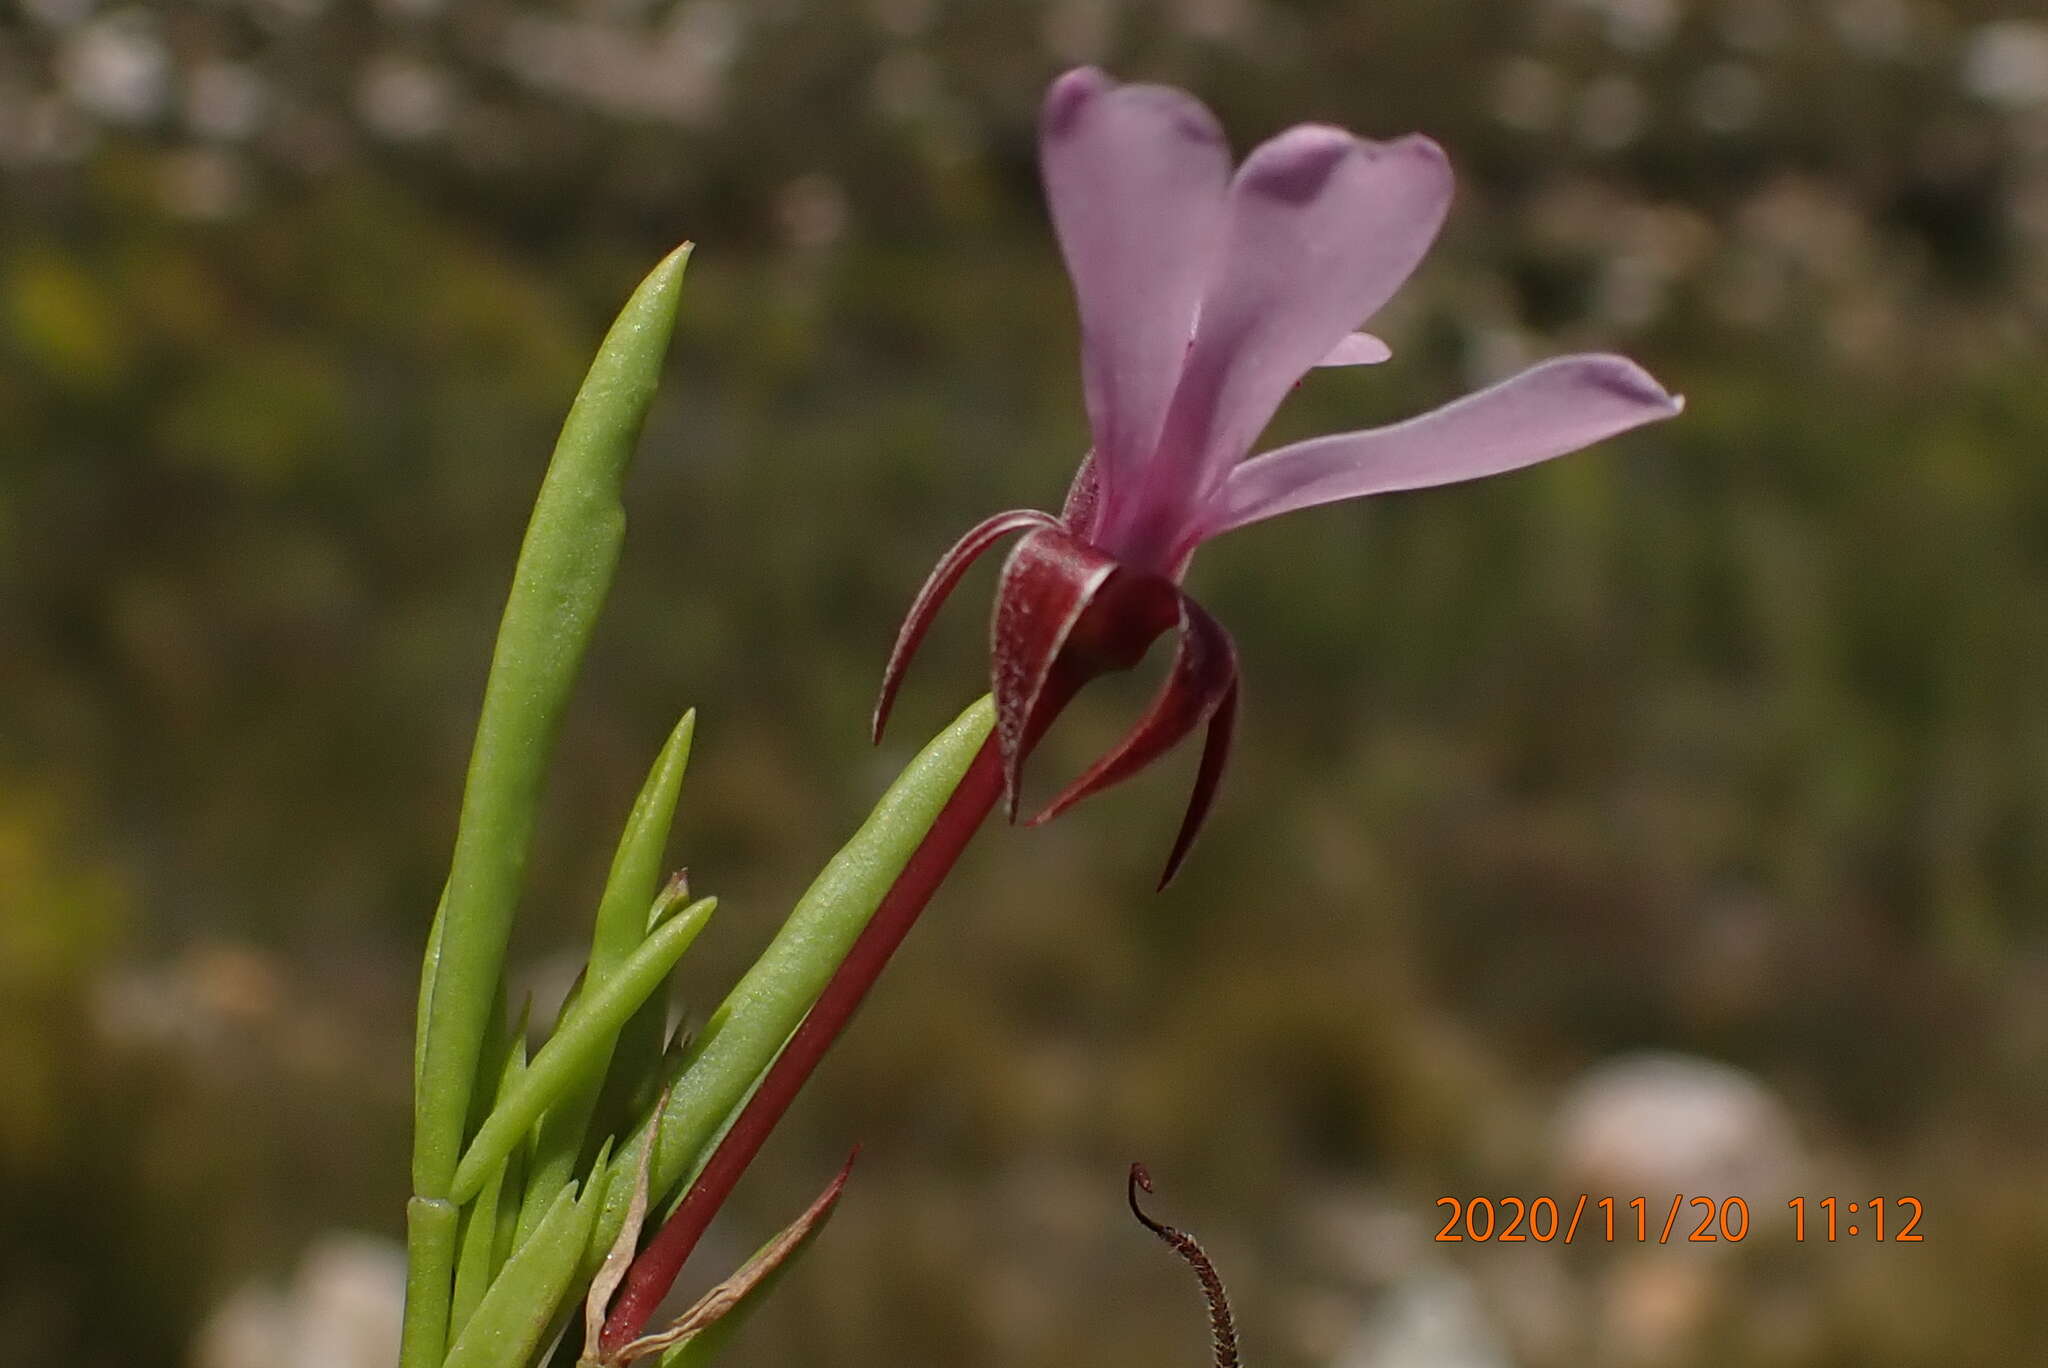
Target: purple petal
x=1358, y=349
x=1324, y=227
x=1558, y=406
x=944, y=576
x=1136, y=178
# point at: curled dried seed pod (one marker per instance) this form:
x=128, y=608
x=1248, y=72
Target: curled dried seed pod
x=1221, y=1327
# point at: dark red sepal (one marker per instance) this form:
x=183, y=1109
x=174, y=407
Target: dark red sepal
x=1084, y=500
x=1200, y=687
x=1048, y=583
x=941, y=582
x=1215, y=754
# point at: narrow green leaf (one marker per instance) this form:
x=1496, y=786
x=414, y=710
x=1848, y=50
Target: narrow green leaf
x=508, y=1325
x=644, y=1062
x=637, y=868
x=749, y=1028
x=579, y=1047
x=622, y=924
x=473, y=1262
x=564, y=571
x=427, y=976
x=476, y=1262
x=512, y=1191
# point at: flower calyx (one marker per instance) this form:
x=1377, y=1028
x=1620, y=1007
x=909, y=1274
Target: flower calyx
x=1066, y=612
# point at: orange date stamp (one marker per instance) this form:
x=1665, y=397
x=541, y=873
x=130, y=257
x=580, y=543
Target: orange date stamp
x=1587, y=1219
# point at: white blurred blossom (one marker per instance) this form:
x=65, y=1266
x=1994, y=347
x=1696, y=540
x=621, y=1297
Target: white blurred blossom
x=902, y=18
x=906, y=86
x=404, y=99
x=811, y=211
x=1527, y=94
x=1431, y=1317
x=1755, y=26
x=117, y=67
x=1674, y=1124
x=204, y=183
x=225, y=100
x=677, y=75
x=1875, y=28
x=42, y=131
x=2006, y=63
x=342, y=1310
x=1612, y=112
x=1214, y=20
x=57, y=13
x=1079, y=30
x=1634, y=25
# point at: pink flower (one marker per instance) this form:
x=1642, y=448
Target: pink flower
x=1204, y=297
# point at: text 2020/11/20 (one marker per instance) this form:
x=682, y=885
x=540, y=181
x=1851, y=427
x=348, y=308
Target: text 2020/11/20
x=1690, y=1220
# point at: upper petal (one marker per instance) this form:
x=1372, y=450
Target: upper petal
x=1547, y=410
x=1136, y=178
x=1323, y=228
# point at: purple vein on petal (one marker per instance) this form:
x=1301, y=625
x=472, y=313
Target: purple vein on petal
x=1547, y=410
x=1135, y=177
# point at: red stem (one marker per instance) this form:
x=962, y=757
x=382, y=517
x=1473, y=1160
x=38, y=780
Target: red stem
x=655, y=1270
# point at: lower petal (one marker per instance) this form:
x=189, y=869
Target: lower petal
x=1546, y=411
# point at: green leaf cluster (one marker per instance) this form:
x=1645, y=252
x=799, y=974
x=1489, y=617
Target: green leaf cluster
x=524, y=1164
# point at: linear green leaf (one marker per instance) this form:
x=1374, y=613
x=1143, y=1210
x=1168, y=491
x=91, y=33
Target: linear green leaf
x=514, y=1315
x=564, y=571
x=747, y=1031
x=579, y=1046
x=511, y=1192
x=427, y=975
x=475, y=1262
x=635, y=878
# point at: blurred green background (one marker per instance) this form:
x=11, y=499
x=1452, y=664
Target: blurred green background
x=1725, y=742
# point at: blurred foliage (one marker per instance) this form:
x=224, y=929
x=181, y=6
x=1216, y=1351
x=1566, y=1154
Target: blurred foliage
x=1725, y=738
